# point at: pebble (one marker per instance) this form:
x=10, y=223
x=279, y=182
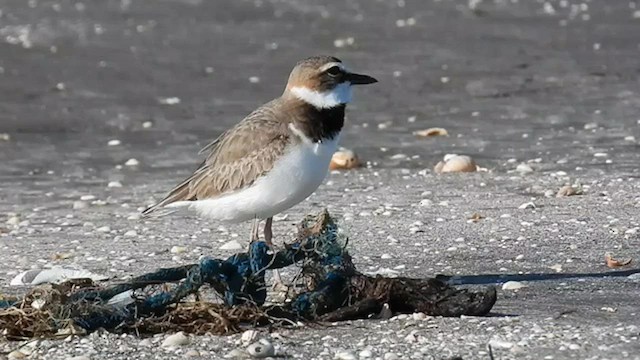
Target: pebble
x=364, y=354
x=16, y=354
x=174, y=340
x=104, y=229
x=178, y=249
x=114, y=184
x=567, y=190
x=146, y=342
x=231, y=245
x=236, y=354
x=385, y=313
x=385, y=256
x=513, y=285
x=524, y=169
x=114, y=142
x=391, y=356
x=14, y=220
x=192, y=353
x=345, y=355
x=426, y=202
x=248, y=336
x=456, y=163
x=528, y=205
x=130, y=233
x=132, y=162
x=80, y=205
x=261, y=349
x=169, y=101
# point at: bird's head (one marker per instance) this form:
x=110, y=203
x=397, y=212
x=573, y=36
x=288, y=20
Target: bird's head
x=324, y=82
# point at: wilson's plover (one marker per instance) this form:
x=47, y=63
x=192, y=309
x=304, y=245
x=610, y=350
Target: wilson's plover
x=277, y=156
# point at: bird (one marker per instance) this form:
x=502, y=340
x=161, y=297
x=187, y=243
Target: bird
x=275, y=157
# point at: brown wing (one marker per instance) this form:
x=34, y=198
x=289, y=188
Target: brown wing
x=235, y=159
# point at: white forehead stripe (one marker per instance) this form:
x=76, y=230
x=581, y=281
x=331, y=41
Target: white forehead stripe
x=339, y=95
x=332, y=64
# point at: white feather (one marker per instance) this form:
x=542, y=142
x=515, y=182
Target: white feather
x=341, y=94
x=293, y=178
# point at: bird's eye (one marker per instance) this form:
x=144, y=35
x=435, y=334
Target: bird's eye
x=334, y=71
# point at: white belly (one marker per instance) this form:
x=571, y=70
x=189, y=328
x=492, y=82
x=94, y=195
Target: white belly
x=293, y=178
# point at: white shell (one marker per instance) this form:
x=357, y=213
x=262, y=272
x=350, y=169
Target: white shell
x=177, y=339
x=456, y=163
x=513, y=285
x=54, y=275
x=344, y=159
x=249, y=336
x=261, y=349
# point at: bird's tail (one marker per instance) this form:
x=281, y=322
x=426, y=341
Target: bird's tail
x=176, y=199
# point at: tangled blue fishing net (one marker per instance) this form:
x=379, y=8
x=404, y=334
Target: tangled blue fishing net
x=170, y=299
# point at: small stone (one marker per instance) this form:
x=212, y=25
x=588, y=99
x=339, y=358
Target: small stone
x=345, y=355
x=528, y=205
x=426, y=202
x=556, y=267
x=236, y=354
x=568, y=190
x=175, y=340
x=114, y=142
x=87, y=197
x=80, y=357
x=146, y=343
x=231, y=245
x=261, y=349
x=114, y=184
x=513, y=285
x=147, y=124
x=104, y=229
x=192, y=353
x=169, y=101
x=419, y=316
x=5, y=137
x=178, y=249
x=365, y=354
x=16, y=354
x=132, y=162
x=248, y=336
x=13, y=220
x=524, y=169
x=77, y=205
x=344, y=159
x=131, y=233
x=390, y=356
x=385, y=313
x=254, y=79
x=385, y=256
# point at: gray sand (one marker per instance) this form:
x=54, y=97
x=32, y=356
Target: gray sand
x=555, y=87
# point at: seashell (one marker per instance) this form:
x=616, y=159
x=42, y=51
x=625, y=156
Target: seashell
x=175, y=340
x=456, y=163
x=436, y=131
x=261, y=349
x=54, y=275
x=344, y=159
x=568, y=190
